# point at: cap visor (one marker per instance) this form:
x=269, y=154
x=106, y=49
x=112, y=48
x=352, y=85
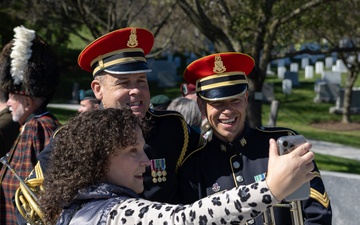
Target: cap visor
x=222, y=93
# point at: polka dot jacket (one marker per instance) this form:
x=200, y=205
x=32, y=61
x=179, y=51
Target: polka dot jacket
x=108, y=204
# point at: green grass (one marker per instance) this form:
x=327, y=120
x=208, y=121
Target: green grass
x=63, y=115
x=298, y=111
x=337, y=164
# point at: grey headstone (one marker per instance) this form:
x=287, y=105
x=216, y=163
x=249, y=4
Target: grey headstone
x=355, y=99
x=328, y=62
x=332, y=77
x=304, y=62
x=309, y=72
x=319, y=67
x=326, y=92
x=268, y=92
x=281, y=71
x=287, y=86
x=293, y=76
x=294, y=67
x=340, y=66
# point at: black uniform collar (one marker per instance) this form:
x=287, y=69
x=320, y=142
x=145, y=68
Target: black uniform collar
x=239, y=143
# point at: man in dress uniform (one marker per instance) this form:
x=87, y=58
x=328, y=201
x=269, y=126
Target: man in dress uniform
x=118, y=65
x=237, y=154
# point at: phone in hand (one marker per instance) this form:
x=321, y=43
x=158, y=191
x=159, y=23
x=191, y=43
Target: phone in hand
x=285, y=145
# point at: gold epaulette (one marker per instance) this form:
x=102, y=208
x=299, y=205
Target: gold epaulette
x=161, y=113
x=276, y=130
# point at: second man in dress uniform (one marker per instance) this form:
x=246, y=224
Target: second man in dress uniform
x=237, y=153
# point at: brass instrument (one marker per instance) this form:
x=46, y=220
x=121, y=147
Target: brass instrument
x=26, y=199
x=295, y=211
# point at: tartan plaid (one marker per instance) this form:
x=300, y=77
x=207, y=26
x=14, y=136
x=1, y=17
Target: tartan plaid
x=35, y=135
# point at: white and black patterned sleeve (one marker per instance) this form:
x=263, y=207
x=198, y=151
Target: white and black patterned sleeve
x=237, y=205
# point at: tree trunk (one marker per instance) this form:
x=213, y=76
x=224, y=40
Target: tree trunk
x=253, y=115
x=254, y=109
x=349, y=83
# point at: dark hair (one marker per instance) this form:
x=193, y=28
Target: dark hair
x=80, y=154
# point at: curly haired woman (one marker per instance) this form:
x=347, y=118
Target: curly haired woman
x=96, y=172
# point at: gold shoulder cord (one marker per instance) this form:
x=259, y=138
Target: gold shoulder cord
x=184, y=148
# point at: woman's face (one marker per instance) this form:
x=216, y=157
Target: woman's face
x=127, y=165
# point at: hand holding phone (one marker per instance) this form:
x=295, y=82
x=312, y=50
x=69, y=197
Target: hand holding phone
x=285, y=145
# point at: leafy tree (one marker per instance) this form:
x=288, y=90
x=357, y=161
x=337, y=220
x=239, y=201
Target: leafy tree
x=259, y=28
x=264, y=29
x=339, y=25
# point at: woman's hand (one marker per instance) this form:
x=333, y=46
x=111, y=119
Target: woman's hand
x=288, y=172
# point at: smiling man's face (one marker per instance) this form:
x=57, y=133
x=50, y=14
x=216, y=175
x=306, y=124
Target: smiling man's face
x=226, y=117
x=123, y=90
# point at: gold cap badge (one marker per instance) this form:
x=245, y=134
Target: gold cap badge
x=219, y=66
x=132, y=42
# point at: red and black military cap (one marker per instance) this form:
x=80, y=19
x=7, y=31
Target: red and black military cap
x=119, y=52
x=220, y=76
x=187, y=89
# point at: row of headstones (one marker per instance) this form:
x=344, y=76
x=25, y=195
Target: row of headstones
x=339, y=67
x=331, y=77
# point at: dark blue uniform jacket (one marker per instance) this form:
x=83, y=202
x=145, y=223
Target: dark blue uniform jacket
x=222, y=166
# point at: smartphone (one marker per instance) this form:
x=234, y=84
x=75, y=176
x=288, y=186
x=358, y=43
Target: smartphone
x=285, y=145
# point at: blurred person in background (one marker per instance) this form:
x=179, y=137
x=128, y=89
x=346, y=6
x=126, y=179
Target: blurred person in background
x=87, y=101
x=189, y=91
x=160, y=102
x=189, y=109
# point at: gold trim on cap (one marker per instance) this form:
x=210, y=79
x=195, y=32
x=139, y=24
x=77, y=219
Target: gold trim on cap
x=101, y=62
x=119, y=61
x=222, y=75
x=220, y=84
x=132, y=42
x=219, y=65
x=116, y=52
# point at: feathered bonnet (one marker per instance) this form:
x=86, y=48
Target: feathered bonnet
x=28, y=65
